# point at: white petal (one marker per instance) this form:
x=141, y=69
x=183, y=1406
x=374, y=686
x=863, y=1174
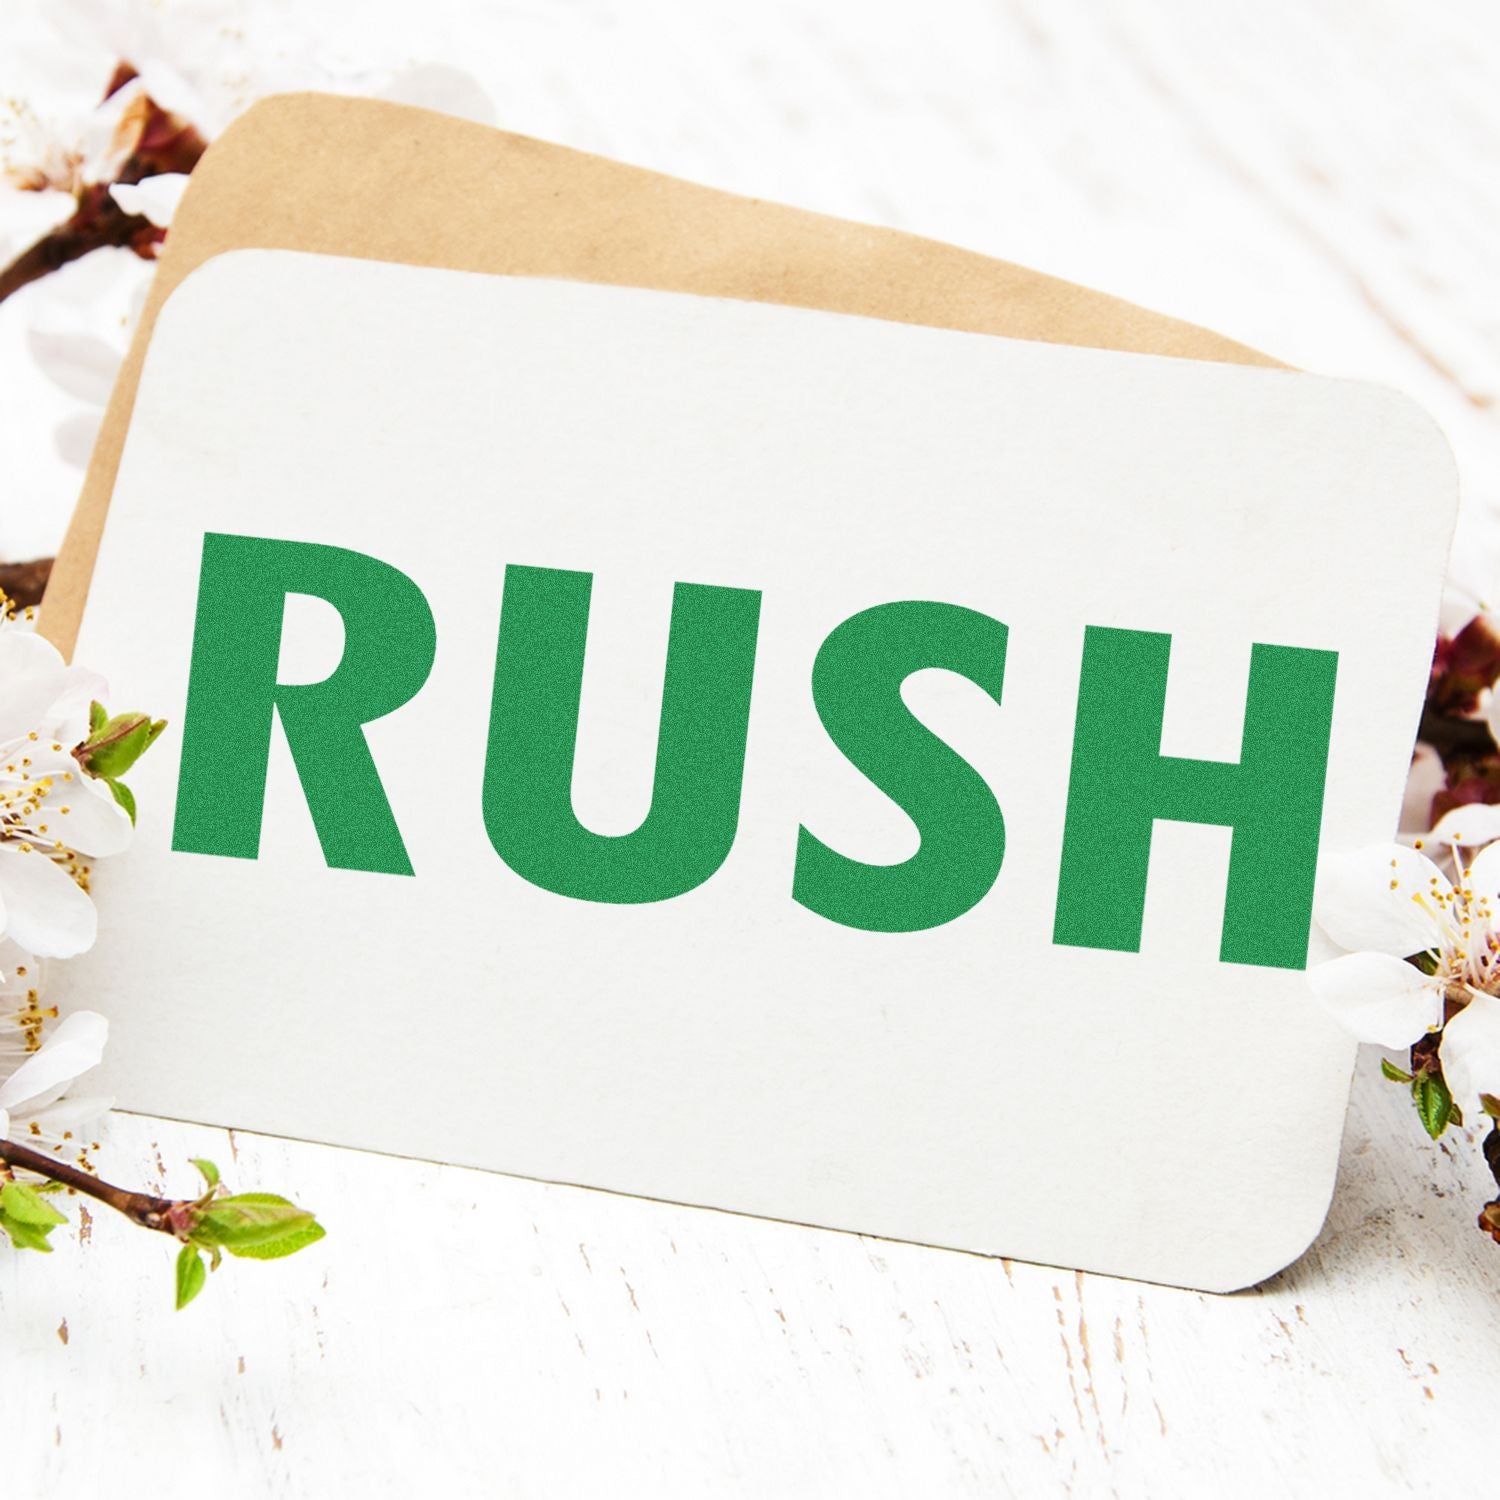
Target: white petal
x=32, y=678
x=30, y=215
x=154, y=197
x=31, y=1109
x=76, y=1046
x=76, y=1114
x=1479, y=880
x=1368, y=901
x=110, y=133
x=79, y=363
x=1469, y=826
x=66, y=76
x=169, y=86
x=1462, y=598
x=19, y=970
x=68, y=716
x=91, y=296
x=1423, y=782
x=34, y=760
x=1377, y=998
x=437, y=86
x=76, y=809
x=74, y=437
x=44, y=909
x=93, y=823
x=1470, y=1051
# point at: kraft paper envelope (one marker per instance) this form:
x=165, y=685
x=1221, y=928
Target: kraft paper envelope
x=873, y=946
x=387, y=182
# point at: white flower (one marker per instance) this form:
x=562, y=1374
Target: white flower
x=50, y=811
x=41, y=1058
x=200, y=61
x=203, y=65
x=1390, y=903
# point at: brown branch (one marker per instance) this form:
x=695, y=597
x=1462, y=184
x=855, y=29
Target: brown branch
x=1455, y=738
x=164, y=1214
x=24, y=583
x=49, y=254
x=98, y=223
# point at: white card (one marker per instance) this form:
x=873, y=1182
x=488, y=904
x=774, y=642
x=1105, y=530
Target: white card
x=862, y=1025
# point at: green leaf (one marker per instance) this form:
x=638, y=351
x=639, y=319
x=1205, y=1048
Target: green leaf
x=123, y=795
x=191, y=1274
x=23, y=1203
x=208, y=1169
x=248, y=1221
x=98, y=716
x=289, y=1244
x=26, y=1236
x=1490, y=1105
x=156, y=732
x=26, y=1217
x=113, y=750
x=1392, y=1072
x=1434, y=1103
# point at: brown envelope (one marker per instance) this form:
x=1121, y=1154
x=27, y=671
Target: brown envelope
x=381, y=181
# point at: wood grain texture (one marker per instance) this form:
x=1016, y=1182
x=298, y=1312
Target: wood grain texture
x=530, y=1339
x=1315, y=179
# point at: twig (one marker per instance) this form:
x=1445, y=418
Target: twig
x=163, y=1214
x=98, y=223
x=163, y=143
x=1454, y=738
x=24, y=583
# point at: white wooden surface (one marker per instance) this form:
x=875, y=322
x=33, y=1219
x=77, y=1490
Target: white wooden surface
x=1315, y=178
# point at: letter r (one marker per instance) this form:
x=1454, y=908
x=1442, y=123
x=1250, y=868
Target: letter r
x=233, y=695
